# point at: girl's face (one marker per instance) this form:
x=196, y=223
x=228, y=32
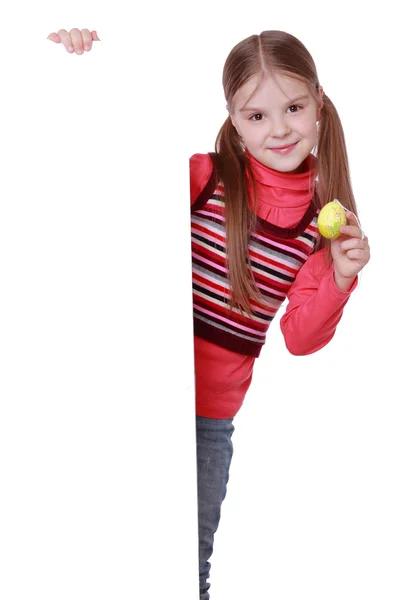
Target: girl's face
x=278, y=123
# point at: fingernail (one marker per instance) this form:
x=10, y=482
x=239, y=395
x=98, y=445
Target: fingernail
x=86, y=47
x=70, y=49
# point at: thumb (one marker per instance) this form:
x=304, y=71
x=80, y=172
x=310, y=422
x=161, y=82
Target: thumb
x=95, y=37
x=54, y=37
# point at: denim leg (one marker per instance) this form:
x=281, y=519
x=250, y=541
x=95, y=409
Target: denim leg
x=214, y=454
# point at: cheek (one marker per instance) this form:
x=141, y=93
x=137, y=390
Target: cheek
x=314, y=132
x=309, y=126
x=308, y=129
x=254, y=133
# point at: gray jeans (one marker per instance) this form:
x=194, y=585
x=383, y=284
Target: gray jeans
x=214, y=454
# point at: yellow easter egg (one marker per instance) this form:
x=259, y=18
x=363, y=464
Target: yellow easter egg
x=331, y=217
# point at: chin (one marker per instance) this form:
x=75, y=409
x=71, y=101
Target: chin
x=289, y=164
x=289, y=167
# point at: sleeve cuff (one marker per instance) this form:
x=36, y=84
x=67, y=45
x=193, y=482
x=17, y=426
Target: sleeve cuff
x=333, y=288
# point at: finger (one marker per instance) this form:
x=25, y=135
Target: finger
x=66, y=40
x=351, y=244
x=356, y=254
x=351, y=218
x=87, y=39
x=351, y=231
x=54, y=37
x=77, y=41
x=95, y=37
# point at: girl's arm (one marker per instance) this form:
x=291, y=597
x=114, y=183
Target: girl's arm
x=320, y=292
x=315, y=306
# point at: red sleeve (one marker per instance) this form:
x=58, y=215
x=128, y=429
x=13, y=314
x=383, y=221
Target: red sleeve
x=200, y=170
x=315, y=307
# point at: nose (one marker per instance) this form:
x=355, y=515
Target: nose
x=280, y=127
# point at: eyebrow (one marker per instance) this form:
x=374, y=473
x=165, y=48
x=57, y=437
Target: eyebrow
x=289, y=103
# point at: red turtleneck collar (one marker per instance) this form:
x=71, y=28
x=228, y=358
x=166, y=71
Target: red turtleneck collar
x=283, y=198
x=279, y=179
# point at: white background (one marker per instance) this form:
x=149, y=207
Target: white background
x=97, y=441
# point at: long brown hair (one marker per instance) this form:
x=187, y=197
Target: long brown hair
x=268, y=53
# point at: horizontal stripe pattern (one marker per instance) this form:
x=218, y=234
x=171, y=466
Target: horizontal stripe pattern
x=275, y=262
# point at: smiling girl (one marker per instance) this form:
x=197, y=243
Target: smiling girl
x=279, y=157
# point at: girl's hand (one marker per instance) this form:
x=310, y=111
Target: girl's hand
x=76, y=40
x=350, y=253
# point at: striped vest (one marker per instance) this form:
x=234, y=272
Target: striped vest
x=276, y=255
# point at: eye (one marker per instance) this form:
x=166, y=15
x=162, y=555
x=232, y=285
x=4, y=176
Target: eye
x=256, y=117
x=294, y=108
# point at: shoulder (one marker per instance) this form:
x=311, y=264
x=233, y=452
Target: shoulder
x=201, y=168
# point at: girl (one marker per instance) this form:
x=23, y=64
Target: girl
x=279, y=157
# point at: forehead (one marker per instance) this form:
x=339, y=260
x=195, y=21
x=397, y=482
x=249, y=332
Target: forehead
x=269, y=90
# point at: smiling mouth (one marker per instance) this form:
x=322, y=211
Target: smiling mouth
x=283, y=149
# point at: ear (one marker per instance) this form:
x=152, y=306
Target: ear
x=320, y=102
x=234, y=123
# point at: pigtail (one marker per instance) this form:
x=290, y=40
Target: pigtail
x=333, y=167
x=232, y=165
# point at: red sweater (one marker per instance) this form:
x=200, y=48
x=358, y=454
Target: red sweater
x=315, y=302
